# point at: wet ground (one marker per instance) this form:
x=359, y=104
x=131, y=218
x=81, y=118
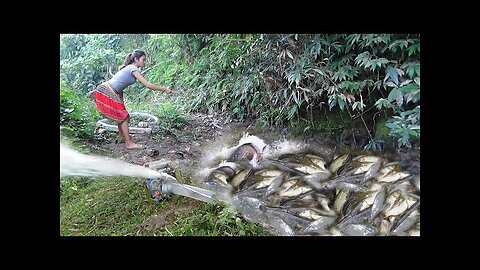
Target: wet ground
x=187, y=152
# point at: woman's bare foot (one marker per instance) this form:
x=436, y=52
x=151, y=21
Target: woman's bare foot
x=134, y=146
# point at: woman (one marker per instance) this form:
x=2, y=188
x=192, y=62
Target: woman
x=109, y=95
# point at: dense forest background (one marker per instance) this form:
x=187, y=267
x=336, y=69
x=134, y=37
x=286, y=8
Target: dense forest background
x=311, y=83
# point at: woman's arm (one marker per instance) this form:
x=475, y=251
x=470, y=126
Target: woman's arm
x=148, y=84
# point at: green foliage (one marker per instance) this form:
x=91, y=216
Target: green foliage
x=106, y=206
x=87, y=60
x=213, y=220
x=70, y=187
x=280, y=79
x=118, y=206
x=302, y=73
x=78, y=114
x=375, y=144
x=172, y=119
x=70, y=45
x=406, y=126
x=381, y=130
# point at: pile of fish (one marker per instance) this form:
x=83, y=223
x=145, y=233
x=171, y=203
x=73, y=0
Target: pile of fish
x=305, y=193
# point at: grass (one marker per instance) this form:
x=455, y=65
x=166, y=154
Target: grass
x=118, y=206
x=107, y=206
x=213, y=220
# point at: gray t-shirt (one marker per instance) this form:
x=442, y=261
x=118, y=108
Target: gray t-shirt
x=123, y=78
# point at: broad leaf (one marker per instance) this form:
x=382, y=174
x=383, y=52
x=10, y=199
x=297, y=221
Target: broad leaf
x=341, y=103
x=409, y=88
x=393, y=74
x=393, y=94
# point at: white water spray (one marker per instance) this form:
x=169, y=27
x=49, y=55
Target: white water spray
x=76, y=163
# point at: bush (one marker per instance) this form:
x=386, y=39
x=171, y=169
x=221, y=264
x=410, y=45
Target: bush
x=78, y=115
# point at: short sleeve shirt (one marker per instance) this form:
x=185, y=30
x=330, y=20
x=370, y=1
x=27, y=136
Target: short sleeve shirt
x=123, y=78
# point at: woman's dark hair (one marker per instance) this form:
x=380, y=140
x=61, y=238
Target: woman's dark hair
x=131, y=58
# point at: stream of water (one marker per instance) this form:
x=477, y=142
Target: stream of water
x=73, y=162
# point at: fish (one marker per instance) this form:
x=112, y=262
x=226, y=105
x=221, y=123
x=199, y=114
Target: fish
x=281, y=227
x=335, y=231
x=319, y=224
x=359, y=230
x=377, y=203
x=316, y=161
x=293, y=187
x=385, y=226
x=293, y=221
x=307, y=169
x=393, y=176
x=300, y=193
x=315, y=180
x=240, y=177
x=362, y=168
x=265, y=178
x=274, y=185
x=370, y=195
x=366, y=159
x=350, y=186
x=324, y=202
x=411, y=214
x=373, y=169
x=414, y=232
x=396, y=204
x=406, y=224
x=219, y=177
x=337, y=163
x=340, y=200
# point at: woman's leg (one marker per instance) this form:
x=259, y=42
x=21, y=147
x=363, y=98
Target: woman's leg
x=120, y=138
x=123, y=128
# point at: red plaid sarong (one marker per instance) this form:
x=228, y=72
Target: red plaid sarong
x=109, y=103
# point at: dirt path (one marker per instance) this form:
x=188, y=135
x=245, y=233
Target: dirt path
x=184, y=154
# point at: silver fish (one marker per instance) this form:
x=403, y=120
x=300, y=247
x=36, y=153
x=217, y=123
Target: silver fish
x=402, y=224
x=319, y=224
x=337, y=163
x=350, y=187
x=293, y=187
x=240, y=177
x=366, y=159
x=377, y=204
x=359, y=230
x=281, y=227
x=340, y=200
x=275, y=185
x=373, y=170
x=315, y=180
x=293, y=221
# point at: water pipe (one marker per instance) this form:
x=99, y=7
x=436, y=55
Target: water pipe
x=167, y=184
